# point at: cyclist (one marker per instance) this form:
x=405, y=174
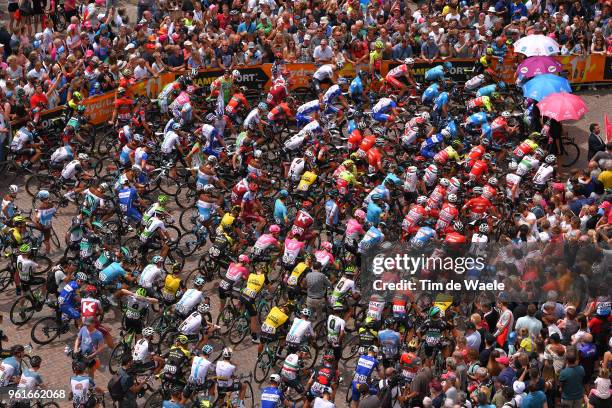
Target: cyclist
x=226, y=378
x=152, y=275
x=23, y=144
x=8, y=204
x=273, y=326
x=30, y=378
x=327, y=73
x=155, y=225
x=357, y=88
x=236, y=104
x=272, y=396
x=293, y=365
x=10, y=367
x=136, y=307
x=437, y=73
x=301, y=331
x=123, y=108
x=82, y=387
x=248, y=297
x=401, y=71
x=177, y=359
x=433, y=329
x=200, y=367
x=324, y=378
x=366, y=366
x=172, y=285
x=143, y=355
x=68, y=297
x=191, y=298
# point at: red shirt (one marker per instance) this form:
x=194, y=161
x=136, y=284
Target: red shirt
x=38, y=98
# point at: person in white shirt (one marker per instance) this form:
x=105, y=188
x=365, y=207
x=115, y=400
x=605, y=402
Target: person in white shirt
x=300, y=329
x=226, y=379
x=152, y=275
x=200, y=366
x=323, y=53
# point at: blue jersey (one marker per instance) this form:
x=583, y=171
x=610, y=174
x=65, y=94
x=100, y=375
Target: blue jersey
x=351, y=125
x=127, y=196
x=389, y=341
x=356, y=87
x=365, y=367
x=435, y=74
x=451, y=126
x=441, y=101
x=66, y=296
x=112, y=273
x=487, y=131
x=280, y=212
x=477, y=118
x=422, y=237
x=332, y=212
x=171, y=404
x=372, y=237
x=486, y=90
x=9, y=367
x=431, y=93
x=332, y=93
x=271, y=397
x=373, y=214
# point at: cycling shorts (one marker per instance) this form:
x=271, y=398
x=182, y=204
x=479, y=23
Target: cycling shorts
x=249, y=305
x=382, y=117
x=28, y=151
x=302, y=119
x=394, y=82
x=70, y=311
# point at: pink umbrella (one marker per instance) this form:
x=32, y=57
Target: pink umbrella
x=533, y=66
x=563, y=106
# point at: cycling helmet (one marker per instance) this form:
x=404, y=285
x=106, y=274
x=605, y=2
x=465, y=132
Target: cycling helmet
x=495, y=95
x=257, y=153
x=458, y=226
x=120, y=90
x=43, y=194
x=444, y=182
x=306, y=312
x=540, y=152
x=421, y=200
x=359, y=214
x=425, y=115
x=349, y=270
x=389, y=321
x=506, y=114
x=176, y=268
x=83, y=156
x=199, y=281
x=481, y=76
x=477, y=190
x=78, y=96
x=342, y=81
x=203, y=307
x=210, y=117
x=501, y=85
x=181, y=338
x=162, y=199
x=157, y=259
x=445, y=133
x=493, y=181
x=275, y=378
x=452, y=198
x=176, y=126
x=25, y=249
x=207, y=350
x=243, y=258
x=274, y=229
x=306, y=204
x=412, y=169
x=361, y=126
x=81, y=276
x=434, y=311
x=253, y=186
x=379, y=142
x=138, y=137
x=235, y=73
x=262, y=105
x=19, y=219
x=227, y=352
x=409, y=61
x=304, y=349
x=190, y=89
x=363, y=73
x=485, y=142
x=81, y=108
x=141, y=292
x=512, y=166
x=148, y=331
x=551, y=159
x=13, y=189
x=487, y=157
x=447, y=65
x=373, y=349
x=209, y=188
x=137, y=168
x=326, y=245
x=376, y=197
x=483, y=228
x=125, y=252
x=379, y=44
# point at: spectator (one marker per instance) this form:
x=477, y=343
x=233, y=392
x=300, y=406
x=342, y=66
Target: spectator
x=322, y=53
x=570, y=378
x=596, y=142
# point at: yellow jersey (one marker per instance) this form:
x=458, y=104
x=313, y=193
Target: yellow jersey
x=255, y=283
x=171, y=286
x=307, y=179
x=294, y=278
x=276, y=318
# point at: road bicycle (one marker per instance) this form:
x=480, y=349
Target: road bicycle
x=49, y=328
x=266, y=360
x=8, y=273
x=24, y=307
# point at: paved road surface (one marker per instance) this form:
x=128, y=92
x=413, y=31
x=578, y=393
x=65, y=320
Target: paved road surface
x=56, y=366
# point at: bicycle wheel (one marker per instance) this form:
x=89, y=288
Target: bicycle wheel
x=571, y=154
x=6, y=278
x=239, y=330
x=188, y=243
x=44, y=264
x=36, y=183
x=115, y=358
x=188, y=218
x=218, y=344
x=174, y=232
x=262, y=311
x=22, y=311
x=155, y=400
x=225, y=320
x=187, y=200
x=45, y=330
x=350, y=348
x=262, y=366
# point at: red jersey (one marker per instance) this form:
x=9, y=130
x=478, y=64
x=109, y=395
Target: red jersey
x=302, y=223
x=354, y=139
x=454, y=238
x=90, y=307
x=280, y=111
x=489, y=192
x=479, y=169
x=374, y=158
x=124, y=107
x=475, y=154
x=238, y=191
x=478, y=205
x=412, y=219
x=367, y=143
x=447, y=214
x=277, y=94
x=235, y=103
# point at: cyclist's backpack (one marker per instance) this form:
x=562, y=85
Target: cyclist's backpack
x=51, y=283
x=115, y=389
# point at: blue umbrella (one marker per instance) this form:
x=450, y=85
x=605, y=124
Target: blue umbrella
x=543, y=85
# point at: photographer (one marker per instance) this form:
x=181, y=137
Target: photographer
x=390, y=389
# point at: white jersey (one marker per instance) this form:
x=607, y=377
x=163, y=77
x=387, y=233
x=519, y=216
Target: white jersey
x=171, y=139
x=26, y=268
x=21, y=138
x=324, y=72
x=71, y=169
x=382, y=105
x=511, y=181
x=321, y=403
x=141, y=352
x=313, y=127
x=189, y=300
x=152, y=225
x=544, y=174
x=224, y=372
x=296, y=169
x=335, y=327
x=298, y=330
x=192, y=324
x=150, y=275
x=294, y=142
x=80, y=386
x=199, y=370
x=61, y=154
x=252, y=119
x=343, y=287
x=291, y=365
x=527, y=164
x=309, y=107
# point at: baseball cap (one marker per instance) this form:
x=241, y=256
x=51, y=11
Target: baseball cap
x=503, y=360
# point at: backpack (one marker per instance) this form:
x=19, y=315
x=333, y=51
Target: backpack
x=115, y=388
x=51, y=283
x=385, y=396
